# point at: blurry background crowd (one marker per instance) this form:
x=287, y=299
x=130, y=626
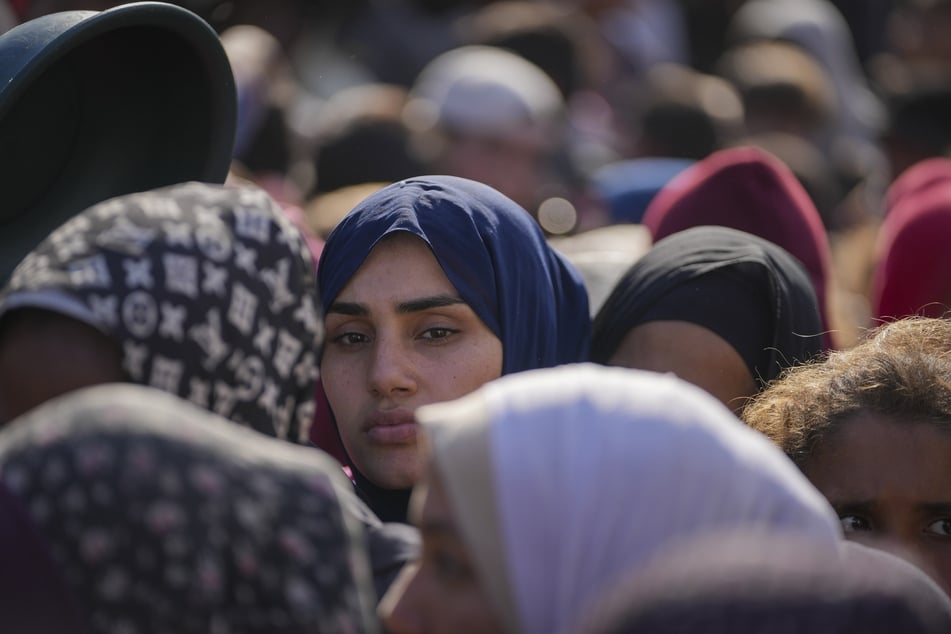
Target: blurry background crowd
x=581, y=110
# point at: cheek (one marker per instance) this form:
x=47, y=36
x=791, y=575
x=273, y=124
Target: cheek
x=417, y=601
x=938, y=565
x=466, y=611
x=340, y=386
x=480, y=363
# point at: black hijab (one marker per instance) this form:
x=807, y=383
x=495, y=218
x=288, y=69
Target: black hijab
x=749, y=291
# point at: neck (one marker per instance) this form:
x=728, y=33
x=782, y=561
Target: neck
x=390, y=505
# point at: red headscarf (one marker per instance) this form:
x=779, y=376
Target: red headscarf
x=913, y=272
x=748, y=189
x=917, y=178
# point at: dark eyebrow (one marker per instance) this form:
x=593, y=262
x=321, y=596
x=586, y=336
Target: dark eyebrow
x=425, y=303
x=936, y=508
x=348, y=308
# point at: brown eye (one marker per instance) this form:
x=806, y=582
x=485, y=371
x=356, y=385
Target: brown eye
x=941, y=528
x=351, y=339
x=855, y=523
x=434, y=334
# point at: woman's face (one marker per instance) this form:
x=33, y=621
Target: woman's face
x=890, y=483
x=399, y=336
x=441, y=592
x=693, y=353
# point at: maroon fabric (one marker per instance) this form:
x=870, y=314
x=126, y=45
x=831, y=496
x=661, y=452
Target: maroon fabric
x=314, y=242
x=20, y=8
x=917, y=178
x=913, y=271
x=747, y=188
x=323, y=433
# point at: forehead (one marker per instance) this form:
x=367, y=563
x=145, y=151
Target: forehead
x=654, y=337
x=678, y=346
x=870, y=455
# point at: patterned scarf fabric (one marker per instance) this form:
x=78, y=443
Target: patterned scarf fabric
x=156, y=526
x=209, y=292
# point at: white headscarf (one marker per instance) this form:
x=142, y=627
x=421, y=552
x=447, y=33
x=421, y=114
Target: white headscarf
x=486, y=91
x=563, y=479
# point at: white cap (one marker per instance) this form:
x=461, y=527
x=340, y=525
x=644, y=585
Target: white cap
x=485, y=91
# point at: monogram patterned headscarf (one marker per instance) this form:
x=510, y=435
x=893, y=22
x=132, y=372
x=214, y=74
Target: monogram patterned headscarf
x=194, y=528
x=208, y=291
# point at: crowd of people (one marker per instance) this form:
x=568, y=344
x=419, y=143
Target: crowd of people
x=526, y=316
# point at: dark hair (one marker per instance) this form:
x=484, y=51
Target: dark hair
x=563, y=42
x=902, y=370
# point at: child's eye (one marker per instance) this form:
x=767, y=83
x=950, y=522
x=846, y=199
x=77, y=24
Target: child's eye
x=941, y=527
x=855, y=523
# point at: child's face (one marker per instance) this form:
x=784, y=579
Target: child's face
x=890, y=483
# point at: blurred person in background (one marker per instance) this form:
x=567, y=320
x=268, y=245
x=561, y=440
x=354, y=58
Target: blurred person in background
x=720, y=308
x=489, y=115
x=912, y=272
x=783, y=88
x=677, y=112
x=360, y=137
x=748, y=189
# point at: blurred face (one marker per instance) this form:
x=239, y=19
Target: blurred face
x=399, y=336
x=441, y=592
x=693, y=353
x=44, y=355
x=515, y=169
x=890, y=483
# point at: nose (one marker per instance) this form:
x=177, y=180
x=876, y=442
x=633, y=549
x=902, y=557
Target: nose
x=392, y=371
x=396, y=610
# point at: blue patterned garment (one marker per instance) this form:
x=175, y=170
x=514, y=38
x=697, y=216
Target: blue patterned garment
x=208, y=291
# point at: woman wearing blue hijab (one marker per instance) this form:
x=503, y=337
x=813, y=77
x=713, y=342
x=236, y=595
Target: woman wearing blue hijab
x=430, y=288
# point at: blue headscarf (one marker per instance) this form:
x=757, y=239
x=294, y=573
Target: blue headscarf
x=493, y=253
x=627, y=187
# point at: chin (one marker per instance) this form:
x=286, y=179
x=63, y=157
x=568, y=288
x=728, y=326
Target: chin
x=400, y=471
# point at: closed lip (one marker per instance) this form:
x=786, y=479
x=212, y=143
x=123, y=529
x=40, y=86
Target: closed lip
x=392, y=427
